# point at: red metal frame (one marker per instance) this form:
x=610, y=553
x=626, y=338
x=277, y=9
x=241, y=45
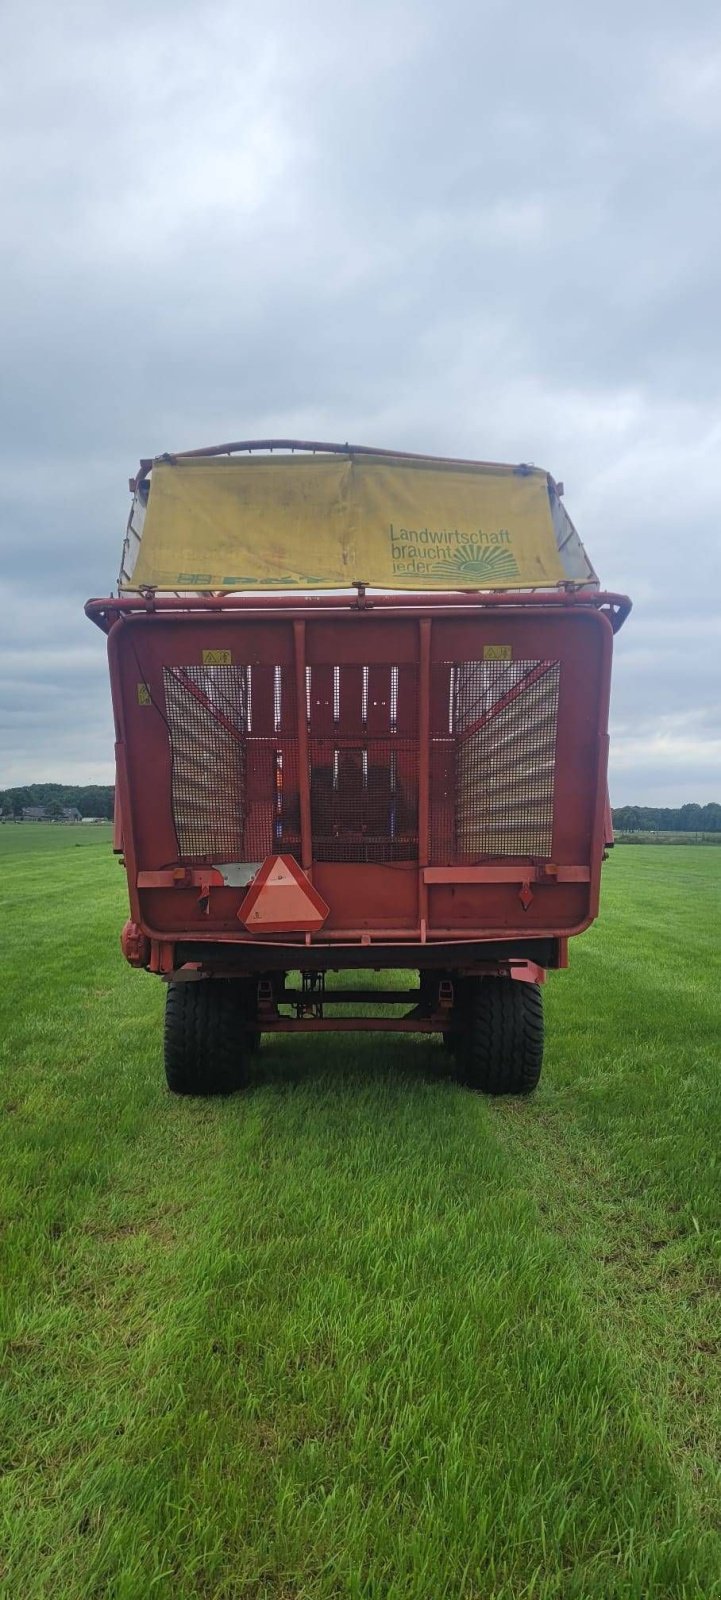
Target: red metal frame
x=105, y=612
x=441, y=916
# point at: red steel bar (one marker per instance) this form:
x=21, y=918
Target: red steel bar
x=354, y=1025
x=358, y=938
x=186, y=682
x=424, y=756
x=489, y=872
x=506, y=699
x=469, y=602
x=306, y=841
x=346, y=997
x=504, y=872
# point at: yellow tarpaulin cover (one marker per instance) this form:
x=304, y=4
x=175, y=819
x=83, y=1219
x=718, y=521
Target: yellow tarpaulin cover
x=319, y=522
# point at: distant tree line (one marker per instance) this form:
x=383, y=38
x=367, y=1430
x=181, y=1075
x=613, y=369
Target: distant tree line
x=96, y=800
x=52, y=800
x=690, y=818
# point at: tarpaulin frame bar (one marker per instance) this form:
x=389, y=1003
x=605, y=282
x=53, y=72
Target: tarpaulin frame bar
x=105, y=612
x=319, y=447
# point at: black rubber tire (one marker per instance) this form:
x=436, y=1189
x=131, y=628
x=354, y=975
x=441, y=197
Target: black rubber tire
x=502, y=1036
x=205, y=1043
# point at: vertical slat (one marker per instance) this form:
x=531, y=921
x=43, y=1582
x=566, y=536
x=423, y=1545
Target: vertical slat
x=406, y=724
x=262, y=680
x=424, y=745
x=379, y=700
x=306, y=844
x=321, y=700
x=351, y=699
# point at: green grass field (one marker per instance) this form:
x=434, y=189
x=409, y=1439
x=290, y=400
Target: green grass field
x=358, y=1333
x=656, y=837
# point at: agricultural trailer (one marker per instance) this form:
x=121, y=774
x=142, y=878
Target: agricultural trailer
x=361, y=705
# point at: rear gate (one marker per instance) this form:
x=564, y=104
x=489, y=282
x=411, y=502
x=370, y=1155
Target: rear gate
x=439, y=775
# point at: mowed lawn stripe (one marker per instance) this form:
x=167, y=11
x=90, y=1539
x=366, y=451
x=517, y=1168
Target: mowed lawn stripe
x=645, y=1281
x=266, y=1376
x=319, y=1340
x=623, y=1152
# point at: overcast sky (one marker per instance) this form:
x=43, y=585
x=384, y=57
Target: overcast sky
x=479, y=229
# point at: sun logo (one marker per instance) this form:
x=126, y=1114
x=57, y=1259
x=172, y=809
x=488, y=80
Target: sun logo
x=473, y=560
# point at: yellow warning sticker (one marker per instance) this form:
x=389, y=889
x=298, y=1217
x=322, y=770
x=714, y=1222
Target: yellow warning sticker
x=144, y=695
x=497, y=652
x=216, y=658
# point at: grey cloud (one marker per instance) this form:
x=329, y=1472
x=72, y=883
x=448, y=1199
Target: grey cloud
x=469, y=230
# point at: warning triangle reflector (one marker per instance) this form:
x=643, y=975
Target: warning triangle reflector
x=281, y=899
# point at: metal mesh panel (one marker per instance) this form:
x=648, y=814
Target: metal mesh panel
x=235, y=772
x=206, y=709
x=364, y=800
x=493, y=770
x=272, y=817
